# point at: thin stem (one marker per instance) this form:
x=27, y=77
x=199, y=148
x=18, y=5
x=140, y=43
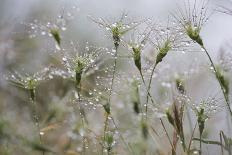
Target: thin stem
x=120, y=135
x=109, y=99
x=189, y=120
x=148, y=94
x=215, y=71
x=191, y=139
x=220, y=134
x=149, y=85
x=200, y=145
x=36, y=117
x=114, y=71
x=82, y=114
x=183, y=142
x=104, y=132
x=169, y=139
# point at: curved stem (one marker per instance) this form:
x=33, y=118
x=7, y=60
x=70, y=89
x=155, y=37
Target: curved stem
x=215, y=72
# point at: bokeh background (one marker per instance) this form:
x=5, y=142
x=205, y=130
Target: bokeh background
x=24, y=50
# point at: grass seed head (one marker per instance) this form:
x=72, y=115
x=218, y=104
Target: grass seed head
x=107, y=108
x=116, y=34
x=223, y=81
x=192, y=18
x=56, y=35
x=201, y=118
x=118, y=28
x=170, y=118
x=180, y=86
x=109, y=141
x=137, y=57
x=144, y=128
x=135, y=96
x=163, y=50
x=194, y=34
x=79, y=66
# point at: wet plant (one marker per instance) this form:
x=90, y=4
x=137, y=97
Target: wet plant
x=30, y=82
x=192, y=19
x=201, y=118
x=134, y=95
x=117, y=30
x=175, y=118
x=78, y=64
x=164, y=42
x=137, y=46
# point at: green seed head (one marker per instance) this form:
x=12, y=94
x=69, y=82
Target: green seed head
x=107, y=108
x=137, y=57
x=170, y=118
x=145, y=131
x=109, y=139
x=223, y=81
x=135, y=96
x=116, y=34
x=56, y=35
x=31, y=83
x=180, y=86
x=194, y=34
x=163, y=51
x=80, y=64
x=201, y=118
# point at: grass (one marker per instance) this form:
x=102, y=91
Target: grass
x=110, y=100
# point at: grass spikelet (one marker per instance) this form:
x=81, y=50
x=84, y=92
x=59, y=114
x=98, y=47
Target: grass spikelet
x=144, y=128
x=109, y=142
x=180, y=86
x=223, y=81
x=170, y=118
x=56, y=35
x=137, y=57
x=107, y=108
x=99, y=100
x=175, y=118
x=135, y=96
x=192, y=19
x=137, y=45
x=166, y=40
x=201, y=118
x=163, y=50
x=117, y=29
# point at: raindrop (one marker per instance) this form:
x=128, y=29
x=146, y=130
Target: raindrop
x=41, y=133
x=43, y=33
x=57, y=47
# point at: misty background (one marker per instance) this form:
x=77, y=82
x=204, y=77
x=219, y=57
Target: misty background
x=20, y=50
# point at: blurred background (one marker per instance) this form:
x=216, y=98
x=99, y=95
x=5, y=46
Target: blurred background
x=25, y=47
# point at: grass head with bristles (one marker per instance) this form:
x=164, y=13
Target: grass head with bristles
x=192, y=18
